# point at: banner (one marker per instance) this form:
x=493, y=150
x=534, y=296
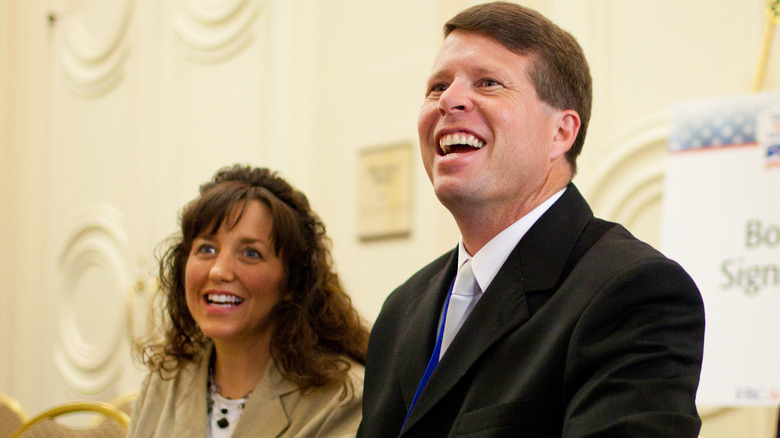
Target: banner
x=721, y=222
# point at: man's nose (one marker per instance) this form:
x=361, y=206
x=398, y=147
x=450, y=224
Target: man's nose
x=457, y=97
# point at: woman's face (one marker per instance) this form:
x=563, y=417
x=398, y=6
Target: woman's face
x=233, y=278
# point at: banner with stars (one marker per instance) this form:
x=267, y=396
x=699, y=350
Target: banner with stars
x=721, y=222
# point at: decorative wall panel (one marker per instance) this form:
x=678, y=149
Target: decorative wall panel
x=91, y=305
x=96, y=45
x=142, y=317
x=213, y=31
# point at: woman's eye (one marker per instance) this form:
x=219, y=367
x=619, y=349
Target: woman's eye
x=253, y=253
x=206, y=249
x=490, y=83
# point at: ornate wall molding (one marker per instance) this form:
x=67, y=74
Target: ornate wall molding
x=96, y=47
x=142, y=318
x=631, y=179
x=93, y=278
x=212, y=32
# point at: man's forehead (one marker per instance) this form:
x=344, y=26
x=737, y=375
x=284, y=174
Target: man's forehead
x=509, y=45
x=480, y=53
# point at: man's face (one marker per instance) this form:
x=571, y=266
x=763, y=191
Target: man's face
x=485, y=137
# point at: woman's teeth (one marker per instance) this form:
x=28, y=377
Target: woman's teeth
x=223, y=300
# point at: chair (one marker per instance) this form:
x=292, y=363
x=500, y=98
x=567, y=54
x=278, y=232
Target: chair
x=777, y=432
x=125, y=402
x=111, y=422
x=12, y=416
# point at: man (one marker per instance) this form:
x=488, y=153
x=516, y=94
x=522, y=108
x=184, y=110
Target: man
x=571, y=327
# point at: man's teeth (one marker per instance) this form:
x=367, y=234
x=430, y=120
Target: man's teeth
x=448, y=141
x=223, y=300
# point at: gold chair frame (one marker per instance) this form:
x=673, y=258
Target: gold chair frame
x=15, y=408
x=125, y=402
x=95, y=407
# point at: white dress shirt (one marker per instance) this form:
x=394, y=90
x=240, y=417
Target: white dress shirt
x=489, y=259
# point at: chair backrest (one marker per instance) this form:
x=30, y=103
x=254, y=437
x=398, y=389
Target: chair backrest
x=125, y=402
x=111, y=422
x=12, y=416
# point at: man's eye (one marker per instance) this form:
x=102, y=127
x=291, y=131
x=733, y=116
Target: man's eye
x=490, y=83
x=437, y=88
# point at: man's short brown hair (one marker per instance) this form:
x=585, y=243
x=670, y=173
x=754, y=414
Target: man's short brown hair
x=560, y=73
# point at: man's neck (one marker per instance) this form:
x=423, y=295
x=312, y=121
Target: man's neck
x=479, y=224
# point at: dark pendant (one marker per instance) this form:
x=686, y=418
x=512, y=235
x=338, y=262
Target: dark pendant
x=223, y=423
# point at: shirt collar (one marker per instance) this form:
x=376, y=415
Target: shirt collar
x=488, y=260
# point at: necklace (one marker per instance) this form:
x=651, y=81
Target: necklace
x=214, y=399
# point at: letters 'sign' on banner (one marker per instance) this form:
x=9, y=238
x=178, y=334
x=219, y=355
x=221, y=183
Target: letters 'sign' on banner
x=721, y=221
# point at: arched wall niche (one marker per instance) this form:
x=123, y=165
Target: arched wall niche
x=628, y=184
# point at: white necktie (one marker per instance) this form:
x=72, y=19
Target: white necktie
x=463, y=299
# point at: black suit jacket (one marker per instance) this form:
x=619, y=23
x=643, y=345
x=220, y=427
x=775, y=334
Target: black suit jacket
x=585, y=331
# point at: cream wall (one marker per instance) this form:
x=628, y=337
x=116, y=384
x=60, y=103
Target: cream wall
x=113, y=113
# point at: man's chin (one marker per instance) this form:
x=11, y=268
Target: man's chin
x=453, y=192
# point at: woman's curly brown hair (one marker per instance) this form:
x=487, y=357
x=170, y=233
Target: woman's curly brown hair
x=313, y=326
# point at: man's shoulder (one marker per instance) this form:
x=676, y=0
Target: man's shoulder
x=624, y=253
x=435, y=265
x=416, y=285
x=618, y=241
x=424, y=275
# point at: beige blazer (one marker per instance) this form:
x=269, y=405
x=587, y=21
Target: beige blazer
x=276, y=408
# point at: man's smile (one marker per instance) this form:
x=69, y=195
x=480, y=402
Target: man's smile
x=455, y=142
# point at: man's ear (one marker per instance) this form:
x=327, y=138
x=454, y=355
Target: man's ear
x=567, y=127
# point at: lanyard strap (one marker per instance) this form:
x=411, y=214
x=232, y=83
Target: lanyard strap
x=434, y=360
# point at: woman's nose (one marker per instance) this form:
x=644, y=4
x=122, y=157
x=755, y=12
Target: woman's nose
x=222, y=269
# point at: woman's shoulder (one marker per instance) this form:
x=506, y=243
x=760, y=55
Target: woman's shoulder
x=185, y=377
x=164, y=400
x=350, y=390
x=330, y=410
x=356, y=372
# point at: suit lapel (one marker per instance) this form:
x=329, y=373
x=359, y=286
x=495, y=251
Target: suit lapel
x=536, y=264
x=549, y=248
x=420, y=335
x=499, y=311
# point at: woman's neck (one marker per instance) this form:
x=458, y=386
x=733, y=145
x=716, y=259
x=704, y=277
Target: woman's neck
x=238, y=368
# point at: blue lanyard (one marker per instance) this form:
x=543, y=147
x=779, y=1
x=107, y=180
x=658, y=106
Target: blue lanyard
x=434, y=360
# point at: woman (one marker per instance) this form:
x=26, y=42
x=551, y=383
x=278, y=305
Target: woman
x=260, y=338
